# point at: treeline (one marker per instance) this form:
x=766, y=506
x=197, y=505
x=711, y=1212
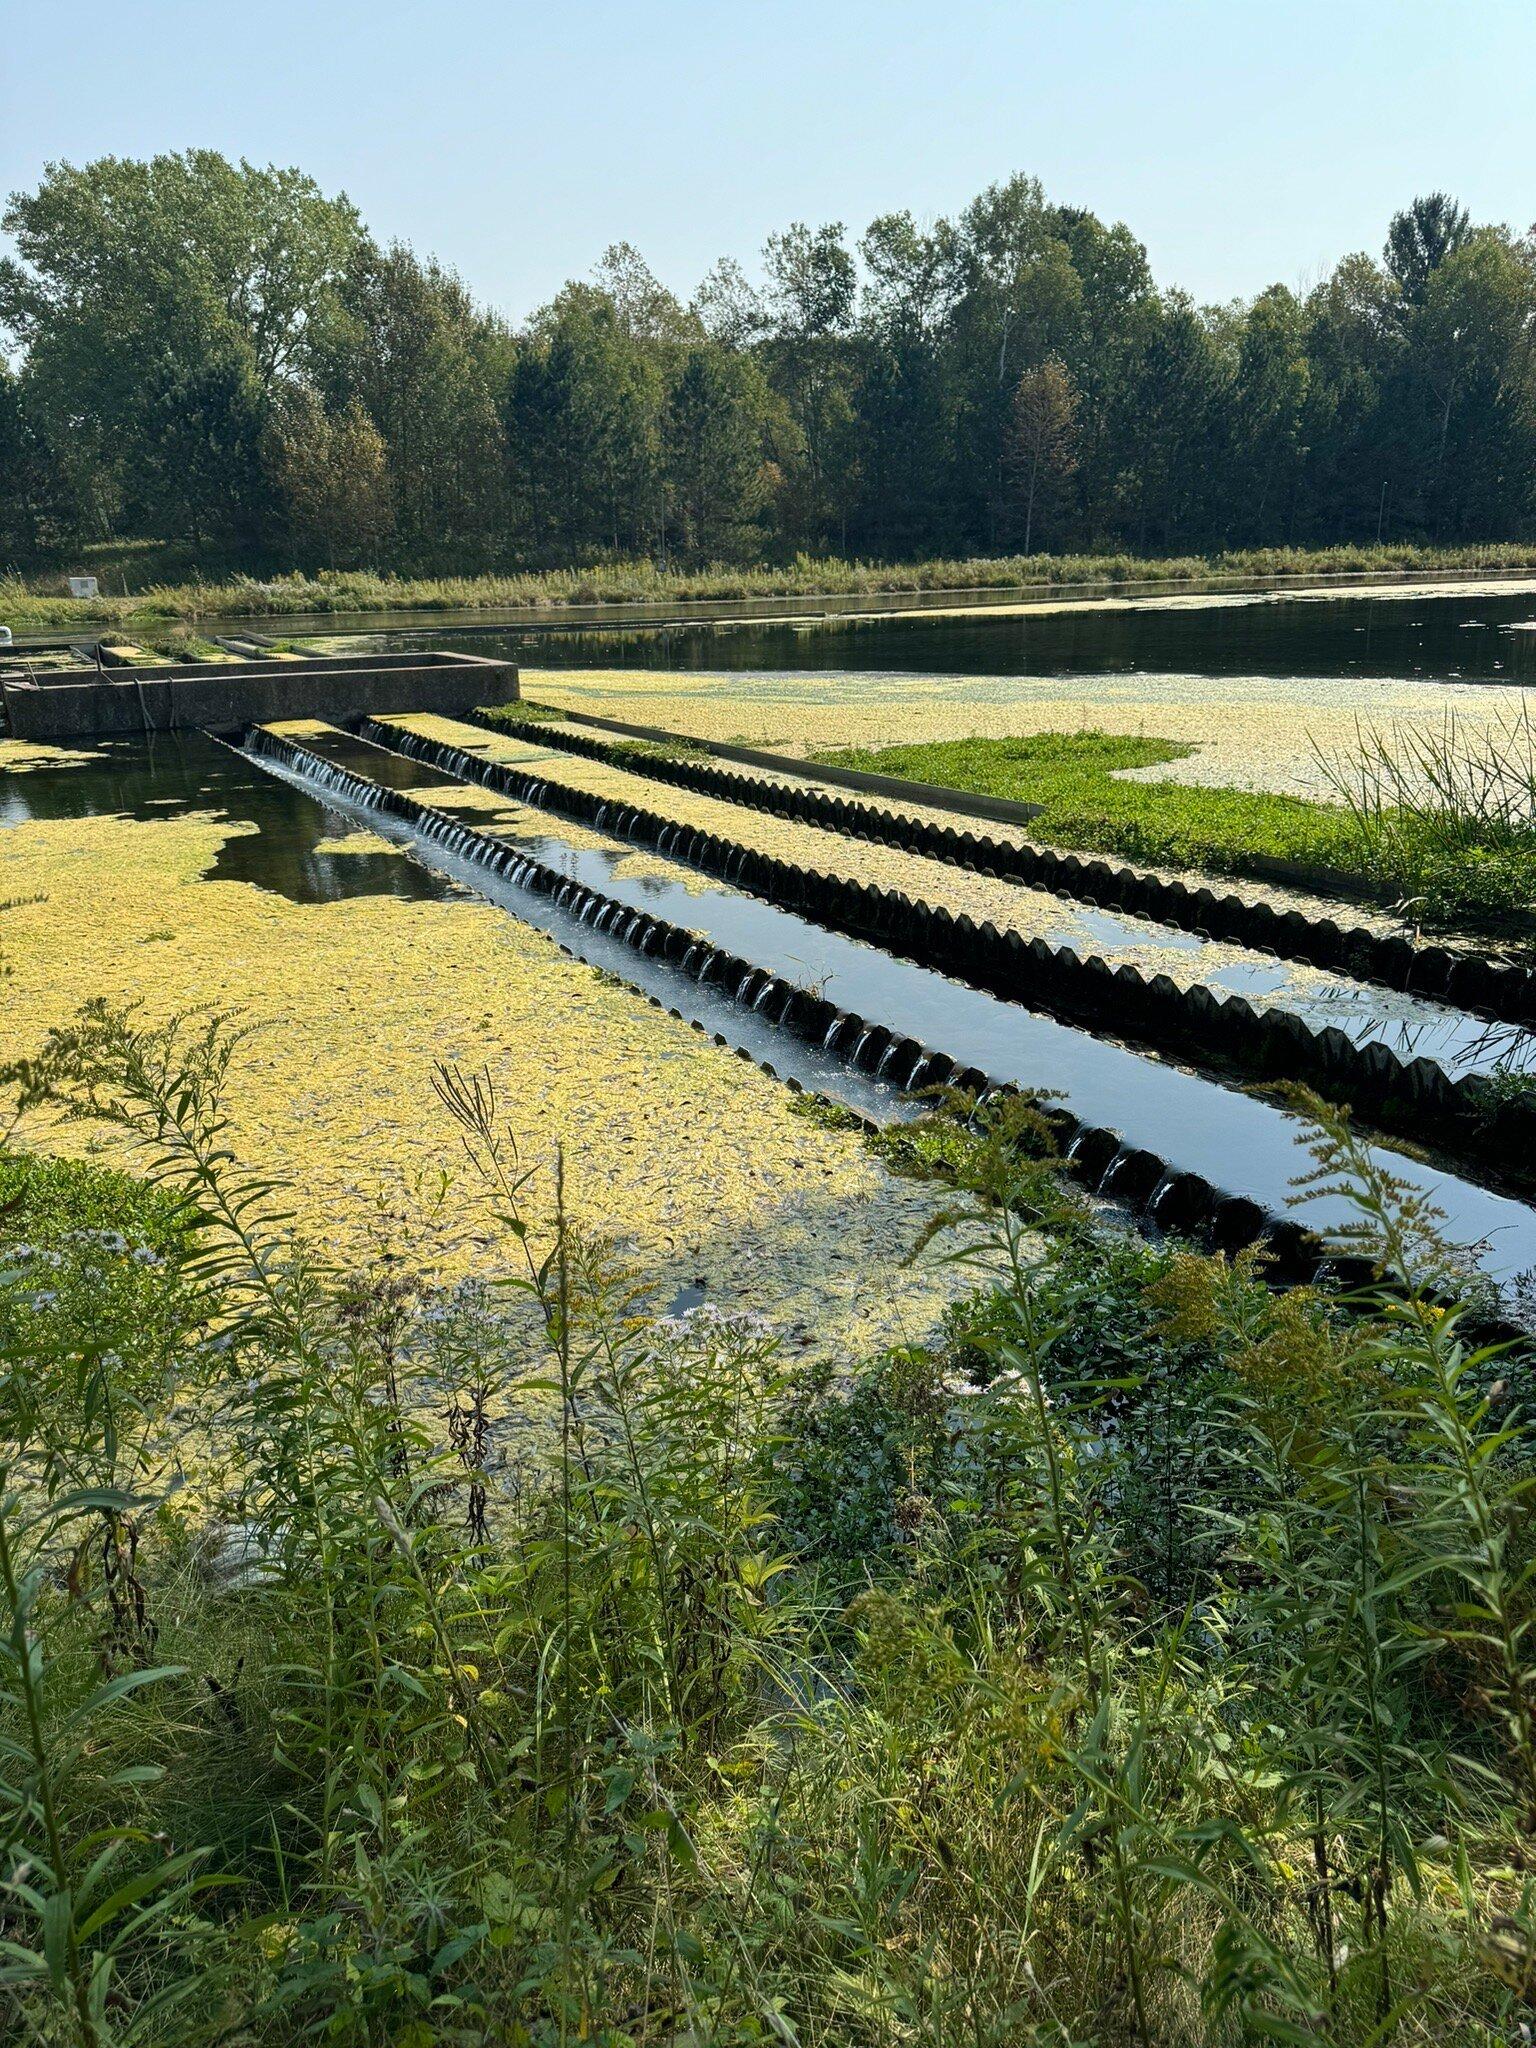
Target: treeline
x=223, y=356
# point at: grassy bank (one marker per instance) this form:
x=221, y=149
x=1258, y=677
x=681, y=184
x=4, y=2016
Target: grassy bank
x=1146, y=1662
x=38, y=602
x=1439, y=820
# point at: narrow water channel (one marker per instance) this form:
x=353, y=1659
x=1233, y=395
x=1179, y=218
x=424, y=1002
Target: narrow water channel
x=1410, y=1026
x=1239, y=1144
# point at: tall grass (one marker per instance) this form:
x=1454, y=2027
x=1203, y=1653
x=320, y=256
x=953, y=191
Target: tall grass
x=1446, y=813
x=39, y=601
x=1149, y=1662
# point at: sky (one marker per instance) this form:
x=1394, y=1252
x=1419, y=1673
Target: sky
x=1245, y=143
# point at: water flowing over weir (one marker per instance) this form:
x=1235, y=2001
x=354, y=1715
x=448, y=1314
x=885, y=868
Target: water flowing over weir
x=1184, y=1149
x=1429, y=1043
x=1469, y=981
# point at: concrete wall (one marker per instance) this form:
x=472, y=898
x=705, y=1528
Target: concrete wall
x=229, y=696
x=970, y=805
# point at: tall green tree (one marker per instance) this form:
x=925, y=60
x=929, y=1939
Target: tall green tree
x=132, y=279
x=1267, y=408
x=199, y=437
x=812, y=287
x=331, y=474
x=587, y=413
x=1042, y=446
x=427, y=367
x=713, y=431
x=1420, y=239
x=1472, y=367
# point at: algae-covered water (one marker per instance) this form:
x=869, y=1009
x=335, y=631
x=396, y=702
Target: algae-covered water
x=184, y=878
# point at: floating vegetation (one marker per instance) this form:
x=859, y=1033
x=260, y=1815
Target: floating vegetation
x=690, y=1154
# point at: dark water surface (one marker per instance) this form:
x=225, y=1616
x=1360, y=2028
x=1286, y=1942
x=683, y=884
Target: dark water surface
x=173, y=775
x=1449, y=639
x=1238, y=1142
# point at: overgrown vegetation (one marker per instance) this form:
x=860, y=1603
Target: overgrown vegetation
x=1439, y=820
x=37, y=601
x=1450, y=809
x=1149, y=1662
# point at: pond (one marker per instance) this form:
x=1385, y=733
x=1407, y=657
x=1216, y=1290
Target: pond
x=185, y=879
x=179, y=873
x=1487, y=638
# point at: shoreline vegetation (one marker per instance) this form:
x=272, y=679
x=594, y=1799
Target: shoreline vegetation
x=1144, y=1661
x=35, y=602
x=1438, y=819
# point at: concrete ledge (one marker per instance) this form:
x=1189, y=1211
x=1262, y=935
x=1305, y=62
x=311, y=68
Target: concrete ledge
x=1415, y=1098
x=1465, y=979
x=230, y=695
x=998, y=809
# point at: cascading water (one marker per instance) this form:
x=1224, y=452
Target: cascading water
x=1210, y=1132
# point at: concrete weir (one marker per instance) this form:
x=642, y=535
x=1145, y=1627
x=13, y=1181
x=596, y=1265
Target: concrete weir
x=228, y=696
x=1471, y=981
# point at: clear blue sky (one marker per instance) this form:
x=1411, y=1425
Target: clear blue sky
x=1243, y=142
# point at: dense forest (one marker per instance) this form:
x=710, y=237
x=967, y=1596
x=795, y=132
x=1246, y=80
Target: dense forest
x=223, y=356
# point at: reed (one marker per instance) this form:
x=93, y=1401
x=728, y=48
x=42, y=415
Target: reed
x=37, y=602
x=1445, y=814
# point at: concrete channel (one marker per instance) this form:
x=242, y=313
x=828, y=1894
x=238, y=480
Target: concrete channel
x=1181, y=1151
x=1451, y=1099
x=787, y=788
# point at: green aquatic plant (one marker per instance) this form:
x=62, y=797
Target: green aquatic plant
x=1437, y=822
x=1074, y=781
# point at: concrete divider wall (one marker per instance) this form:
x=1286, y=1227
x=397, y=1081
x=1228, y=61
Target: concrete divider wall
x=230, y=696
x=1468, y=981
x=1415, y=1098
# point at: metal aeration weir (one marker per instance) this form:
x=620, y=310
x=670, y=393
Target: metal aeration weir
x=926, y=999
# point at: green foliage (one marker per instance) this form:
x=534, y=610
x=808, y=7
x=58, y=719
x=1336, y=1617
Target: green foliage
x=1150, y=1662
x=1437, y=820
x=1447, y=813
x=1072, y=777
x=38, y=602
x=1010, y=373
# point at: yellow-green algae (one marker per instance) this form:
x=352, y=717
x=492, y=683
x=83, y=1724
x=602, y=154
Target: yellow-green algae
x=1262, y=734
x=488, y=812
x=1250, y=732
x=687, y=1154
x=1009, y=905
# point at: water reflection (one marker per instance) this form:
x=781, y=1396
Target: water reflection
x=178, y=774
x=1238, y=1143
x=1482, y=639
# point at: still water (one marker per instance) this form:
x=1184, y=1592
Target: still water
x=1490, y=639
x=283, y=848
x=1240, y=1144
